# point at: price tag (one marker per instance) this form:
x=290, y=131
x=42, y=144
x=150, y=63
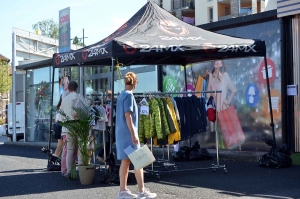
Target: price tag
x=144, y=110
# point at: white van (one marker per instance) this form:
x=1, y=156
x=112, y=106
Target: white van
x=2, y=130
x=20, y=120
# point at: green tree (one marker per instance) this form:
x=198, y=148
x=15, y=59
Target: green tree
x=47, y=27
x=77, y=41
x=5, y=80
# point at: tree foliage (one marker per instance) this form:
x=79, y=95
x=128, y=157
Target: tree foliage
x=77, y=41
x=5, y=80
x=48, y=28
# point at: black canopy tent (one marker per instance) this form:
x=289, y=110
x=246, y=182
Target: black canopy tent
x=153, y=36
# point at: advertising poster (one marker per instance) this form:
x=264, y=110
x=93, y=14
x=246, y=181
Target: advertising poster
x=64, y=79
x=64, y=46
x=64, y=30
x=244, y=96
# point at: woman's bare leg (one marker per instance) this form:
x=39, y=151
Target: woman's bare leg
x=139, y=176
x=60, y=144
x=124, y=169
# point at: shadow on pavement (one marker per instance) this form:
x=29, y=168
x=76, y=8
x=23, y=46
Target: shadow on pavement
x=243, y=179
x=22, y=151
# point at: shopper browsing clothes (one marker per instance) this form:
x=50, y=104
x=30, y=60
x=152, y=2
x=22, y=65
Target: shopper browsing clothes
x=126, y=134
x=70, y=151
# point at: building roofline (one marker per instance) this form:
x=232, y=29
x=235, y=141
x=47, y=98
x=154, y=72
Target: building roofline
x=2, y=57
x=35, y=65
x=240, y=21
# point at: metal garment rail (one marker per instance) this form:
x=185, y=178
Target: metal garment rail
x=213, y=167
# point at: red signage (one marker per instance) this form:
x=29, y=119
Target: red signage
x=262, y=73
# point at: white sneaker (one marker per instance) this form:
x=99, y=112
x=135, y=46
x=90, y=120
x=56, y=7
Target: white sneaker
x=126, y=195
x=146, y=194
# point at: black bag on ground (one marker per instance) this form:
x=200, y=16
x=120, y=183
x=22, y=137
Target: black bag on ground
x=276, y=158
x=182, y=154
x=191, y=153
x=198, y=153
x=54, y=162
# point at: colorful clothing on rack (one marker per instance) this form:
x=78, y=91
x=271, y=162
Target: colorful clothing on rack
x=155, y=120
x=165, y=129
x=175, y=108
x=144, y=126
x=192, y=116
x=168, y=116
x=173, y=136
x=199, y=85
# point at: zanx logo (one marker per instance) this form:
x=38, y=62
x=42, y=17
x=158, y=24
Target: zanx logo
x=160, y=48
x=63, y=58
x=93, y=52
x=129, y=49
x=236, y=48
x=172, y=28
x=210, y=48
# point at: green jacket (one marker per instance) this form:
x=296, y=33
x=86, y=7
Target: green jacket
x=170, y=121
x=165, y=126
x=155, y=119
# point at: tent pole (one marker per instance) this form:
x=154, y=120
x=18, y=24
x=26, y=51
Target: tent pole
x=186, y=89
x=112, y=99
x=112, y=110
x=185, y=79
x=270, y=101
x=51, y=116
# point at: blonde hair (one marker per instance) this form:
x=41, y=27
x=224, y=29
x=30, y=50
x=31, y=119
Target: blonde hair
x=130, y=78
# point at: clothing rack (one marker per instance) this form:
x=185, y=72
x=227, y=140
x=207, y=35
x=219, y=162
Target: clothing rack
x=167, y=164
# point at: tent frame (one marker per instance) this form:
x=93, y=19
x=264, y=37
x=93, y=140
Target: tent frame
x=132, y=52
x=157, y=173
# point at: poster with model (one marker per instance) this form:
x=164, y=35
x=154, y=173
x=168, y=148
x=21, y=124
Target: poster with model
x=244, y=90
x=64, y=79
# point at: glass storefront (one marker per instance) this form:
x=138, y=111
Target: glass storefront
x=38, y=99
x=248, y=76
x=98, y=80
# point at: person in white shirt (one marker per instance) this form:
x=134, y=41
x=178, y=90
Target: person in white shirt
x=70, y=151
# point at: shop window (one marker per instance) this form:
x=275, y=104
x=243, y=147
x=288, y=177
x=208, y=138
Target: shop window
x=41, y=75
x=38, y=111
x=227, y=11
x=210, y=14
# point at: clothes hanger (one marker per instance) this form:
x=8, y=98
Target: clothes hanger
x=144, y=101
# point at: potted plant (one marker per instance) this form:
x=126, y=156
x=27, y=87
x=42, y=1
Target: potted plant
x=80, y=130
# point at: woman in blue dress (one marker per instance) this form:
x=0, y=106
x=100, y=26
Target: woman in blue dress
x=127, y=134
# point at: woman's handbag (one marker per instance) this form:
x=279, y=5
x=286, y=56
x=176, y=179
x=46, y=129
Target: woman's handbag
x=211, y=110
x=140, y=157
x=232, y=131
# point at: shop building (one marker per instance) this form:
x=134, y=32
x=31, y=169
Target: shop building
x=93, y=82
x=250, y=100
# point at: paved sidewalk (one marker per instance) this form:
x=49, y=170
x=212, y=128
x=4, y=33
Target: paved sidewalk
x=251, y=156
x=23, y=175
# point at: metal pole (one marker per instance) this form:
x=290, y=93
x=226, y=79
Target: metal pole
x=112, y=101
x=83, y=37
x=51, y=116
x=270, y=102
x=112, y=131
x=14, y=86
x=185, y=79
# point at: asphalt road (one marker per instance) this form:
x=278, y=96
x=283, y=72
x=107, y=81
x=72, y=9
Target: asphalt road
x=23, y=175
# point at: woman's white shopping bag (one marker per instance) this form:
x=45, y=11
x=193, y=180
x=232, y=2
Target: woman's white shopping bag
x=140, y=157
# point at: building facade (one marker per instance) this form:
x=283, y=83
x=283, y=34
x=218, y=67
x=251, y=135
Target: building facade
x=198, y=12
x=260, y=21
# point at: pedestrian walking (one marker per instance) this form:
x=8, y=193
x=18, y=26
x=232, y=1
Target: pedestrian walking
x=127, y=134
